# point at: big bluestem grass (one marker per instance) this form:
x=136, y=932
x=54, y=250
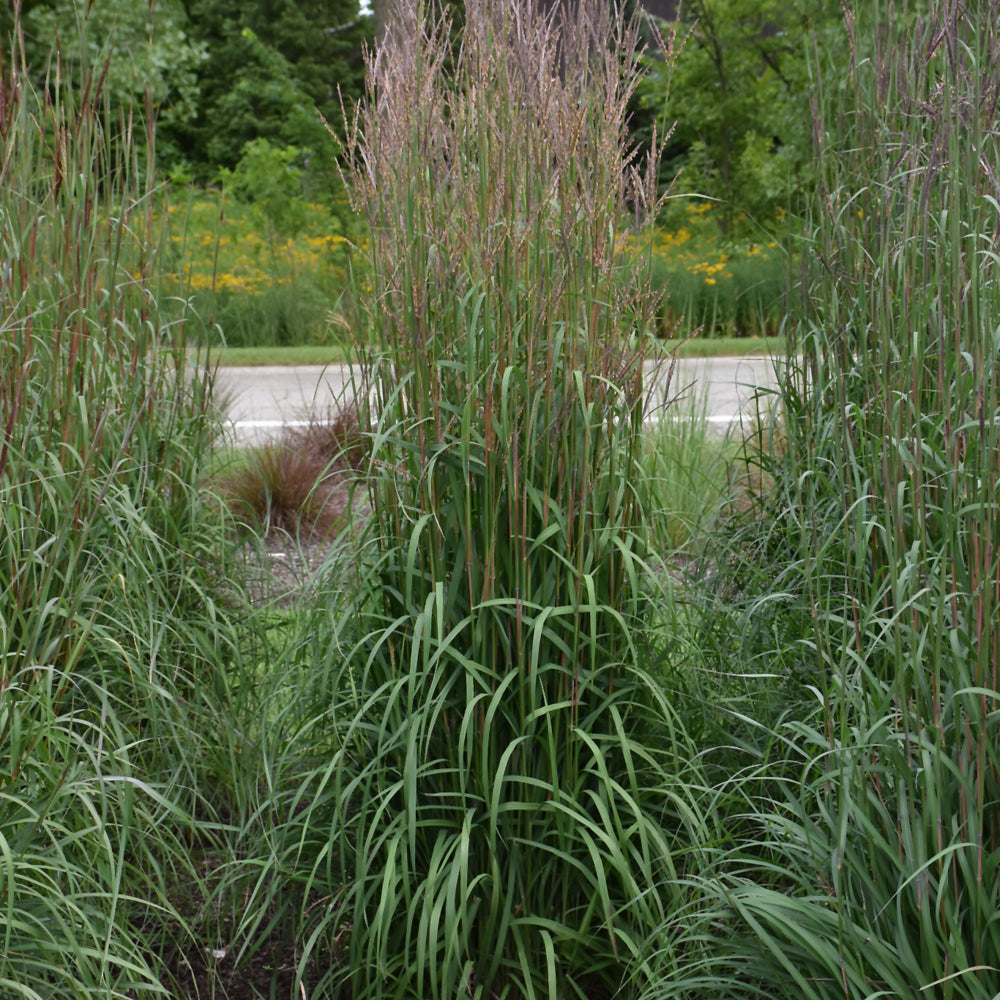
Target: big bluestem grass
x=503, y=821
x=111, y=651
x=878, y=860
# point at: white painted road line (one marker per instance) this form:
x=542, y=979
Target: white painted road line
x=262, y=401
x=242, y=427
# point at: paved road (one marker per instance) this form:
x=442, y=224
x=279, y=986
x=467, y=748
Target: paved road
x=263, y=400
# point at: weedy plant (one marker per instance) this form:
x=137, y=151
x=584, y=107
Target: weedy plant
x=110, y=650
x=688, y=461
x=505, y=822
x=877, y=870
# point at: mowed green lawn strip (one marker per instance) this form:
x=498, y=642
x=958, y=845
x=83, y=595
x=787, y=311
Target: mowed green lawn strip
x=318, y=354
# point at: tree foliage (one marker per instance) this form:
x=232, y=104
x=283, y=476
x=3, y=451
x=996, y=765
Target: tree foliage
x=739, y=94
x=149, y=51
x=272, y=66
x=219, y=74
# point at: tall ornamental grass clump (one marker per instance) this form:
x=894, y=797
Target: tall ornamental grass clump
x=879, y=867
x=503, y=818
x=109, y=650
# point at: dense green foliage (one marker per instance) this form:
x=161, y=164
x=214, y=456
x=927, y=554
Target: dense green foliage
x=218, y=75
x=576, y=704
x=144, y=52
x=272, y=70
x=738, y=99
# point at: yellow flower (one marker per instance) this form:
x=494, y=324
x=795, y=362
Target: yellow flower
x=710, y=281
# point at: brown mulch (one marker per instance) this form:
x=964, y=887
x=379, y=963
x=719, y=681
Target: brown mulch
x=212, y=975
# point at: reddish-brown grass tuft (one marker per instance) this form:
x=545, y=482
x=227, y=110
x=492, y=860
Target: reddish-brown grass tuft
x=300, y=485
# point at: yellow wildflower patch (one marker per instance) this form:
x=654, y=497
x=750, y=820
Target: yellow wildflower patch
x=223, y=251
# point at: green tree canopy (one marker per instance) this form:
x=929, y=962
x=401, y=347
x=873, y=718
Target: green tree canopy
x=149, y=50
x=272, y=64
x=739, y=94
